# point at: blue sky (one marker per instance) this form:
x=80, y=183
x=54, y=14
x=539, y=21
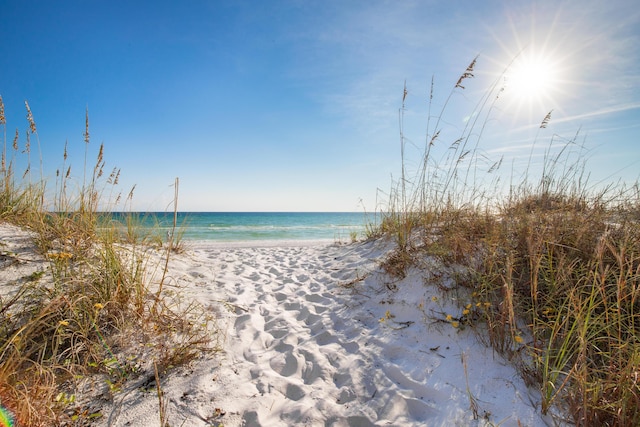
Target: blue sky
x=293, y=105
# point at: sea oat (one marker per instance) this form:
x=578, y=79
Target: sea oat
x=3, y=120
x=32, y=123
x=404, y=92
x=433, y=139
x=496, y=165
x=130, y=196
x=431, y=90
x=99, y=162
x=468, y=73
x=112, y=176
x=86, y=126
x=546, y=120
x=15, y=141
x=462, y=157
x=100, y=155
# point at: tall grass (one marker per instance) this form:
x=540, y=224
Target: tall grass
x=93, y=309
x=552, y=265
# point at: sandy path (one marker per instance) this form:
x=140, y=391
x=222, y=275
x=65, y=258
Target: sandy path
x=306, y=346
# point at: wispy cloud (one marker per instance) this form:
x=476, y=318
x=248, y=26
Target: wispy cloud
x=601, y=112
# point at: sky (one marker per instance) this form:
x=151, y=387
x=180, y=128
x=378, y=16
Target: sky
x=292, y=105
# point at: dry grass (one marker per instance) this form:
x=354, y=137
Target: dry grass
x=552, y=268
x=92, y=312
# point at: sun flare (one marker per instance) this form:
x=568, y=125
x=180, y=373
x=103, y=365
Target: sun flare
x=532, y=79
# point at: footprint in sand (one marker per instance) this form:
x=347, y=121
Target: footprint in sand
x=284, y=362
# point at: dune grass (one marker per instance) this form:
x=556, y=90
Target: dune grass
x=94, y=311
x=548, y=272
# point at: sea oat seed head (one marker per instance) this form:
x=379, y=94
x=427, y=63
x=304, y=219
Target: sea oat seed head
x=130, y=196
x=3, y=120
x=100, y=154
x=404, y=92
x=546, y=120
x=86, y=126
x=468, y=73
x=32, y=123
x=15, y=141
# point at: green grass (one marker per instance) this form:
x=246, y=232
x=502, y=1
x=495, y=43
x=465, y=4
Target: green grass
x=551, y=268
x=93, y=309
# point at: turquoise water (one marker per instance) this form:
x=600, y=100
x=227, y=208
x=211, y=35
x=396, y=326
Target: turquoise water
x=251, y=226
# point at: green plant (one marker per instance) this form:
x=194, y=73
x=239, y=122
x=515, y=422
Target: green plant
x=79, y=316
x=547, y=273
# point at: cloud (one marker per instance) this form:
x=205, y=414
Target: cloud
x=601, y=112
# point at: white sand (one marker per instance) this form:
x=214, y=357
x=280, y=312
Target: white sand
x=305, y=346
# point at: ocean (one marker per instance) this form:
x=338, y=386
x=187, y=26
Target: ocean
x=256, y=226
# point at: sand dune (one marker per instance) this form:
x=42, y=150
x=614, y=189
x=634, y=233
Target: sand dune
x=316, y=335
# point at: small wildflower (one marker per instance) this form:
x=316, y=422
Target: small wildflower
x=469, y=306
x=449, y=318
x=63, y=323
x=487, y=304
x=518, y=339
x=60, y=256
x=455, y=324
x=465, y=312
x=434, y=298
x=98, y=306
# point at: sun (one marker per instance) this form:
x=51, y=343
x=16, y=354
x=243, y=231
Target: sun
x=532, y=80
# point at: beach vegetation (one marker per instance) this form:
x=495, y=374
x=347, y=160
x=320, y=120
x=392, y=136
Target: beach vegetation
x=97, y=310
x=547, y=271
